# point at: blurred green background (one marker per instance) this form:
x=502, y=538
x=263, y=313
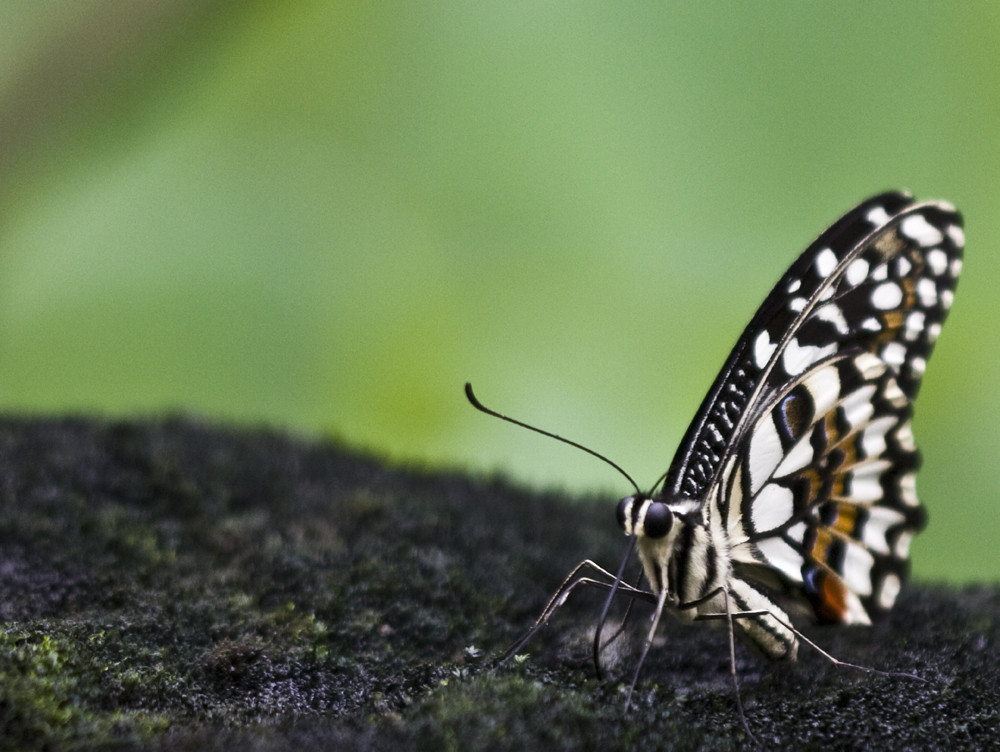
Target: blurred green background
x=325, y=217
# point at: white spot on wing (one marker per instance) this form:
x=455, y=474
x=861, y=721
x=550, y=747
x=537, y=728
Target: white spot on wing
x=894, y=353
x=914, y=325
x=856, y=272
x=957, y=235
x=908, y=490
x=772, y=507
x=857, y=405
x=782, y=557
x=887, y=296
x=902, y=548
x=869, y=366
x=880, y=519
x=763, y=349
x=880, y=272
x=826, y=262
x=765, y=453
x=877, y=216
x=873, y=440
x=832, y=314
x=865, y=486
x=797, y=358
x=927, y=291
x=937, y=260
x=858, y=564
x=824, y=387
x=797, y=532
x=916, y=227
x=797, y=457
x=904, y=435
x=894, y=394
x=888, y=590
x=856, y=613
x=794, y=286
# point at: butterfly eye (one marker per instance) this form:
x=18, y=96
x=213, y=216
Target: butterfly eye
x=622, y=512
x=658, y=520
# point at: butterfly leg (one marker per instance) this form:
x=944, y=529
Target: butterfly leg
x=732, y=667
x=573, y=580
x=729, y=616
x=835, y=661
x=599, y=646
x=660, y=603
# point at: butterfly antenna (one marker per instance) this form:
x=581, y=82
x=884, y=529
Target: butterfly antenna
x=474, y=401
x=658, y=482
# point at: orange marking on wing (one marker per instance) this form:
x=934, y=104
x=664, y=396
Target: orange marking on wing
x=847, y=514
x=832, y=604
x=832, y=434
x=823, y=541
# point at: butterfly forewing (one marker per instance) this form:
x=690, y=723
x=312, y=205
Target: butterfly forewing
x=698, y=459
x=854, y=287
x=806, y=435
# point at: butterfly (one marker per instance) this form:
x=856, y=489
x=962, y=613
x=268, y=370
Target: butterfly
x=795, y=480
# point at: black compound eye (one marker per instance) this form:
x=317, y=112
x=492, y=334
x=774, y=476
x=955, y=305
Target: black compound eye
x=623, y=510
x=658, y=521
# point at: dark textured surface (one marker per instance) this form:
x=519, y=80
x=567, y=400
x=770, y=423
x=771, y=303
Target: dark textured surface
x=180, y=586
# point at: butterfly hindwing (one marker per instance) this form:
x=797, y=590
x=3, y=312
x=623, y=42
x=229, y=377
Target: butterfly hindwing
x=823, y=496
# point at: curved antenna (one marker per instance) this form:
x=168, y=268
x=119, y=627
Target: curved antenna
x=658, y=482
x=483, y=409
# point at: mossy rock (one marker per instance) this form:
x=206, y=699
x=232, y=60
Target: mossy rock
x=174, y=585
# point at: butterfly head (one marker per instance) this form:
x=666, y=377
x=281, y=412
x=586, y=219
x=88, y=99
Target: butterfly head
x=645, y=517
x=657, y=524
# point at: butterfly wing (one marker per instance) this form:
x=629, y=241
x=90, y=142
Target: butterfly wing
x=821, y=499
x=790, y=328
x=804, y=441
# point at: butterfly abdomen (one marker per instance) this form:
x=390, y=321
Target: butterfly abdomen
x=761, y=623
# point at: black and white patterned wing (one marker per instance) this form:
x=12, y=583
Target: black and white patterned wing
x=804, y=441
x=782, y=315
x=821, y=500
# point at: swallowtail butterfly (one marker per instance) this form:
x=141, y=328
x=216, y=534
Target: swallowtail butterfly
x=796, y=477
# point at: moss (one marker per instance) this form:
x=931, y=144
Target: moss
x=43, y=689
x=179, y=586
